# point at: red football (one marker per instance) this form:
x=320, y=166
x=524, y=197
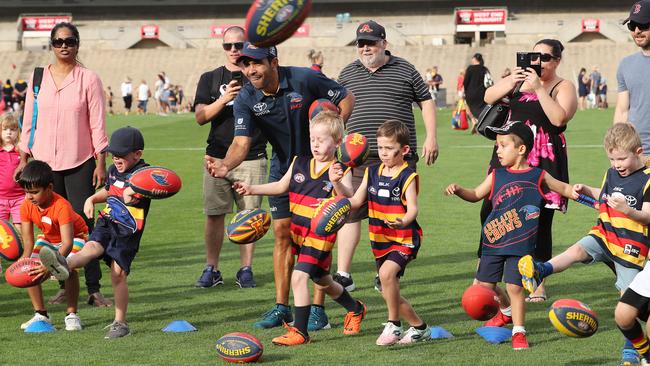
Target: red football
x=330, y=215
x=11, y=244
x=155, y=182
x=320, y=105
x=269, y=23
x=17, y=274
x=239, y=347
x=354, y=150
x=480, y=302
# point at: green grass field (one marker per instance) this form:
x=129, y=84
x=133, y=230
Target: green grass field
x=172, y=256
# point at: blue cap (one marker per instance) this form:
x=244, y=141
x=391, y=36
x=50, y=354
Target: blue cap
x=125, y=140
x=257, y=53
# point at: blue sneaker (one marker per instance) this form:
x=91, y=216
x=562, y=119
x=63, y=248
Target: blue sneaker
x=275, y=317
x=630, y=357
x=209, y=278
x=245, y=278
x=317, y=319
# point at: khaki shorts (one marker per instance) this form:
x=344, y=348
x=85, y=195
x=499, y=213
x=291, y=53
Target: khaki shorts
x=218, y=195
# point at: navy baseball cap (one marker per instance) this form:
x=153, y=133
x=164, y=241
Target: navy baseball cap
x=371, y=31
x=125, y=140
x=257, y=53
x=516, y=128
x=640, y=12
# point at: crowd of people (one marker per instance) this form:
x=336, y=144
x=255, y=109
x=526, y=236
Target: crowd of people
x=168, y=98
x=253, y=100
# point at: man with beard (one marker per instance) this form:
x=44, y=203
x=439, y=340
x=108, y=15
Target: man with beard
x=633, y=74
x=277, y=102
x=385, y=87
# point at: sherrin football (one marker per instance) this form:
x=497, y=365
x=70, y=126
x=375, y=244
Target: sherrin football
x=353, y=150
x=270, y=22
x=248, y=226
x=155, y=182
x=17, y=274
x=573, y=318
x=239, y=347
x=330, y=215
x=11, y=244
x=320, y=105
x=480, y=302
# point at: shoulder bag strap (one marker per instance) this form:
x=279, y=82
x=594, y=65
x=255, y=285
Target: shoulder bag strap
x=36, y=87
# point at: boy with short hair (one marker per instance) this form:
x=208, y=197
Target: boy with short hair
x=391, y=190
x=620, y=237
x=510, y=231
x=114, y=239
x=308, y=183
x=63, y=231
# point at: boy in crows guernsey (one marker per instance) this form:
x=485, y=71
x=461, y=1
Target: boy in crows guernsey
x=620, y=237
x=510, y=231
x=308, y=183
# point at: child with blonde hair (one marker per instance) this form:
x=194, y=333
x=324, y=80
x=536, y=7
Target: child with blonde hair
x=11, y=194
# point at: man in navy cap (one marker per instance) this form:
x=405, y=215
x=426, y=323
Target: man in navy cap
x=277, y=102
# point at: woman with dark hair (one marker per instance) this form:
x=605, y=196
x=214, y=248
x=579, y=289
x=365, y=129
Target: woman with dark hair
x=546, y=103
x=477, y=79
x=583, y=88
x=316, y=58
x=69, y=133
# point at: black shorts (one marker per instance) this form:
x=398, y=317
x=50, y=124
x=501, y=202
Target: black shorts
x=398, y=257
x=279, y=204
x=641, y=303
x=495, y=267
x=118, y=246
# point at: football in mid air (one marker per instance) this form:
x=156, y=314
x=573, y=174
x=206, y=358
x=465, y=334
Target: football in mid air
x=270, y=22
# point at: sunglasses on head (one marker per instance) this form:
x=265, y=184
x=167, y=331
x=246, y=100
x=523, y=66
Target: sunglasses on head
x=632, y=26
x=229, y=46
x=546, y=57
x=366, y=42
x=59, y=42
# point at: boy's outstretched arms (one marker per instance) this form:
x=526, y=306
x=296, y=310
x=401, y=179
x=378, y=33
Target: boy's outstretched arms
x=471, y=195
x=586, y=190
x=268, y=189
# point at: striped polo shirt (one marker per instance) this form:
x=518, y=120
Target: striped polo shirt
x=387, y=93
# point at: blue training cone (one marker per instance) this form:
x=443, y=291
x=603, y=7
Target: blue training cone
x=494, y=335
x=179, y=326
x=40, y=326
x=440, y=333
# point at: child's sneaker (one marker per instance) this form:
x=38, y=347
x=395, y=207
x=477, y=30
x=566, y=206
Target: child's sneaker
x=55, y=263
x=519, y=341
x=293, y=337
x=630, y=357
x=72, y=322
x=209, y=278
x=117, y=330
x=413, y=335
x=352, y=321
x=244, y=278
x=499, y=320
x=346, y=282
x=317, y=319
x=529, y=271
x=391, y=335
x=36, y=318
x=275, y=317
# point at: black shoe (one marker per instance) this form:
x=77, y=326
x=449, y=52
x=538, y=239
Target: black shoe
x=377, y=283
x=346, y=282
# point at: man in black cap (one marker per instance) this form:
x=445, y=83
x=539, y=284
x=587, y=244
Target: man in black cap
x=633, y=75
x=385, y=87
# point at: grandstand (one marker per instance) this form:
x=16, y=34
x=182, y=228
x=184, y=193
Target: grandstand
x=139, y=38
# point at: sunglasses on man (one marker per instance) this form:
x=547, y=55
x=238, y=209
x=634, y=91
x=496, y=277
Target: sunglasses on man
x=229, y=46
x=361, y=43
x=70, y=42
x=632, y=26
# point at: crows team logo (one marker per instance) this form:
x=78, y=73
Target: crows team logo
x=530, y=212
x=160, y=177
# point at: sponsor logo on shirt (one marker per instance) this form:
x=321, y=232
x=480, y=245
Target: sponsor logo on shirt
x=295, y=100
x=261, y=109
x=383, y=193
x=632, y=250
x=299, y=178
x=328, y=186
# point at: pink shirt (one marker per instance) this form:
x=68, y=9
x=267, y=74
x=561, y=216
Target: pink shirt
x=71, y=125
x=9, y=189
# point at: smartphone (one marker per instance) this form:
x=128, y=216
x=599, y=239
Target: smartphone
x=238, y=76
x=530, y=59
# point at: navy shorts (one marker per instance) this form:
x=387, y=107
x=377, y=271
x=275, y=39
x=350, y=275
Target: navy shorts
x=279, y=204
x=119, y=246
x=641, y=303
x=398, y=257
x=495, y=267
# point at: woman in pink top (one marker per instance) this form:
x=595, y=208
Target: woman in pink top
x=70, y=132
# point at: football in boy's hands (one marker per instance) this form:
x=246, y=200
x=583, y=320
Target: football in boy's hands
x=248, y=226
x=573, y=318
x=269, y=23
x=320, y=105
x=155, y=182
x=11, y=244
x=17, y=274
x=330, y=215
x=480, y=302
x=239, y=347
x=353, y=150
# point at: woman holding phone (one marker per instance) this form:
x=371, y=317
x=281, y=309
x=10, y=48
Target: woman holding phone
x=546, y=103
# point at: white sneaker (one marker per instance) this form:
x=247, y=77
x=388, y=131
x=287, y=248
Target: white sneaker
x=36, y=318
x=413, y=335
x=391, y=335
x=72, y=322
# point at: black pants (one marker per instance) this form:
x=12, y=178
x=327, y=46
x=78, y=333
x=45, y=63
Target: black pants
x=76, y=185
x=544, y=247
x=127, y=102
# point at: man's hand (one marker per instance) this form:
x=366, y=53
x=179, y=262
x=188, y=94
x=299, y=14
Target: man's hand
x=215, y=167
x=232, y=89
x=99, y=176
x=430, y=150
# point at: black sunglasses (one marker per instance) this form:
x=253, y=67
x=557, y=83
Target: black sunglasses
x=361, y=43
x=546, y=57
x=228, y=46
x=632, y=26
x=70, y=42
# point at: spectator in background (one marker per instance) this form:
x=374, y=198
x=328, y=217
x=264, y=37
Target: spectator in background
x=460, y=88
x=602, y=94
x=143, y=97
x=180, y=95
x=20, y=90
x=316, y=58
x=172, y=99
x=158, y=88
x=595, y=87
x=7, y=95
x=583, y=88
x=477, y=79
x=436, y=81
x=109, y=100
x=127, y=95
